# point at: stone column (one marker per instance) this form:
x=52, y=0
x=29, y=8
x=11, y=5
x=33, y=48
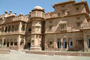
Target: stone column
x=85, y=43
x=25, y=27
x=67, y=43
x=2, y=42
x=9, y=44
x=55, y=44
x=18, y=42
x=13, y=43
x=61, y=44
x=74, y=42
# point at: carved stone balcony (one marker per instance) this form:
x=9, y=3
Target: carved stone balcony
x=63, y=30
x=22, y=18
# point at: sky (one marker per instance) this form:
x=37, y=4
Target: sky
x=25, y=6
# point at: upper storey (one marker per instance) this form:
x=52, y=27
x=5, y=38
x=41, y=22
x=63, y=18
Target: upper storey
x=68, y=8
x=7, y=18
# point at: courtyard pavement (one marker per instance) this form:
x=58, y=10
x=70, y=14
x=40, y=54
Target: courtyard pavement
x=19, y=55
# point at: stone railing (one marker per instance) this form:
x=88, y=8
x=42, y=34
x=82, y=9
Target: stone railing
x=84, y=26
x=37, y=15
x=50, y=15
x=63, y=30
x=22, y=18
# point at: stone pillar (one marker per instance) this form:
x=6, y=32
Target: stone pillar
x=2, y=42
x=18, y=42
x=9, y=43
x=74, y=42
x=55, y=44
x=85, y=43
x=13, y=43
x=61, y=44
x=67, y=43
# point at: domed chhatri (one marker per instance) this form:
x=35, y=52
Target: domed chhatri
x=38, y=7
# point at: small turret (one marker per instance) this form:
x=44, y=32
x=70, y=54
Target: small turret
x=6, y=12
x=21, y=14
x=82, y=0
x=10, y=12
x=37, y=12
x=15, y=13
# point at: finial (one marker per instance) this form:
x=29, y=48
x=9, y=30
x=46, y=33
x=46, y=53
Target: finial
x=82, y=0
x=15, y=13
x=21, y=14
x=6, y=12
x=10, y=12
x=30, y=12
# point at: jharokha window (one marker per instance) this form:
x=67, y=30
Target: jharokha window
x=23, y=27
x=62, y=26
x=77, y=8
x=63, y=11
x=9, y=28
x=50, y=21
x=58, y=14
x=78, y=24
x=16, y=28
x=12, y=27
x=68, y=13
x=6, y=29
x=50, y=27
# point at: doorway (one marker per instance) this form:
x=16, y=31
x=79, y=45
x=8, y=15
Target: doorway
x=7, y=44
x=70, y=43
x=64, y=43
x=59, y=43
x=89, y=43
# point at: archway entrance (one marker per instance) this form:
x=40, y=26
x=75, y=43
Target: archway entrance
x=29, y=45
x=7, y=44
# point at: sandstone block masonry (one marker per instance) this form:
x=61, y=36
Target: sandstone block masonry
x=66, y=28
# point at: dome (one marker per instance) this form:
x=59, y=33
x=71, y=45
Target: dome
x=38, y=7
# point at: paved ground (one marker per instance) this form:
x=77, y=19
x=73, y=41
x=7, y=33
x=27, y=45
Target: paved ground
x=19, y=55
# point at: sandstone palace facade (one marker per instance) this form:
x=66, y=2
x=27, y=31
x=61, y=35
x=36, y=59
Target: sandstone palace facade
x=66, y=28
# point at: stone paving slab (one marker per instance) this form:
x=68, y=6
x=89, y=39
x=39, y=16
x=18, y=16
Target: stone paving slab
x=19, y=55
x=59, y=53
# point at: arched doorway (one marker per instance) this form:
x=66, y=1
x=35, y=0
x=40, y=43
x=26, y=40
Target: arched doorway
x=70, y=43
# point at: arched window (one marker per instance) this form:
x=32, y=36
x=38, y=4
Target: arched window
x=12, y=27
x=59, y=43
x=16, y=28
x=9, y=28
x=6, y=29
x=29, y=30
x=50, y=44
x=70, y=43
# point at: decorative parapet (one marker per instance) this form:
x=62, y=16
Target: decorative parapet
x=20, y=18
x=51, y=15
x=85, y=26
x=14, y=18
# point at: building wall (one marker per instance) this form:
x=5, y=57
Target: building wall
x=66, y=28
